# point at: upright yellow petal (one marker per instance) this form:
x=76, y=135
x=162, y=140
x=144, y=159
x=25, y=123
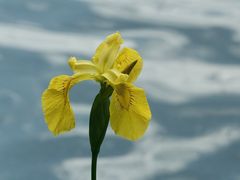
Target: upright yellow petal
x=129, y=111
x=107, y=51
x=126, y=57
x=55, y=102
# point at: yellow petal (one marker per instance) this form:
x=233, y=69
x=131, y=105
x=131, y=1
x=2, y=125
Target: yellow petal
x=57, y=111
x=82, y=66
x=126, y=57
x=107, y=51
x=129, y=111
x=55, y=103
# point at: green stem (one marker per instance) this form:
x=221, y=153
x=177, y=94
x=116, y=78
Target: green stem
x=94, y=166
x=99, y=120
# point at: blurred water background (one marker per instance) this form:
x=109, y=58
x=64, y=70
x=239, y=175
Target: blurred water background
x=191, y=51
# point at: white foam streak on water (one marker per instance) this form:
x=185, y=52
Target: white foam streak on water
x=187, y=13
x=157, y=44
x=188, y=79
x=168, y=155
x=40, y=40
x=36, y=39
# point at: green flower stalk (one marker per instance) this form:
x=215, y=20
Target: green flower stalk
x=118, y=100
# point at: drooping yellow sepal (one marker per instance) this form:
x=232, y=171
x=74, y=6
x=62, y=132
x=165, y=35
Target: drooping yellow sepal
x=55, y=102
x=129, y=111
x=56, y=107
x=125, y=58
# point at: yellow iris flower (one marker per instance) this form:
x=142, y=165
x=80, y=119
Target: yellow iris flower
x=129, y=110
